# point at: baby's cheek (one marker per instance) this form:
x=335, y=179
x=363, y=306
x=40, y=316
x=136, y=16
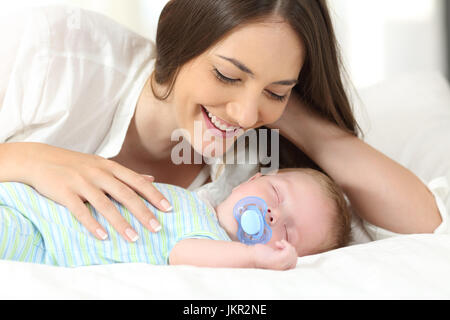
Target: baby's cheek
x=276, y=236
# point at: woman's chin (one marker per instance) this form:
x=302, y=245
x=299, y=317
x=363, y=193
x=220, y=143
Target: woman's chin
x=214, y=149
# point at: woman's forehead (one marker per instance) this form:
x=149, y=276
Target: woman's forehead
x=275, y=44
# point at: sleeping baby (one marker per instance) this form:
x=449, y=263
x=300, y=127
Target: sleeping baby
x=266, y=222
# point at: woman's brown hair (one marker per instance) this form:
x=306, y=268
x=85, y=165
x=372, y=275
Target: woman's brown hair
x=187, y=28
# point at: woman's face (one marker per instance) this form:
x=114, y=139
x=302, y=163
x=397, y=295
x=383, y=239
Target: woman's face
x=244, y=81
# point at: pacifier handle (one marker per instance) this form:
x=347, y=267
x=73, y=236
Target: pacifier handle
x=252, y=222
x=250, y=214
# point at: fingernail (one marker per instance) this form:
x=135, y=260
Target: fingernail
x=131, y=234
x=149, y=177
x=155, y=225
x=165, y=204
x=101, y=234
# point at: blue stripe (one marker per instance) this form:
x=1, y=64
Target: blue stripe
x=8, y=235
x=56, y=231
x=25, y=204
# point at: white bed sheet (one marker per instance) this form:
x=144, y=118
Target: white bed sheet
x=416, y=107
x=405, y=267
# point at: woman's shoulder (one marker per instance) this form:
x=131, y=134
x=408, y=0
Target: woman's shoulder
x=62, y=63
x=93, y=35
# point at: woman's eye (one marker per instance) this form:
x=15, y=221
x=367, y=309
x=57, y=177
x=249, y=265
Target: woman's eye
x=227, y=80
x=222, y=78
x=277, y=97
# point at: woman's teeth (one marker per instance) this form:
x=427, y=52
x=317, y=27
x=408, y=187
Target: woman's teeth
x=219, y=124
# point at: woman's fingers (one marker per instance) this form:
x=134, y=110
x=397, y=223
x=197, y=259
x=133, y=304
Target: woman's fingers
x=122, y=184
x=81, y=212
x=128, y=197
x=149, y=178
x=142, y=185
x=108, y=210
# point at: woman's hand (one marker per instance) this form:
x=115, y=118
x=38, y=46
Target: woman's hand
x=283, y=257
x=71, y=178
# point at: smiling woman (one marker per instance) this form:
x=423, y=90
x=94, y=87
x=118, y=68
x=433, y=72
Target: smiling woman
x=262, y=47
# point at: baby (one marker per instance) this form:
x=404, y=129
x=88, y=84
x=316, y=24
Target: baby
x=306, y=213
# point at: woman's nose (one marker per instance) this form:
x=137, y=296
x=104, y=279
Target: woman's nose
x=244, y=112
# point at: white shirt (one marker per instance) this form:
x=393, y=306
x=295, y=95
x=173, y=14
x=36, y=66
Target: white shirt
x=70, y=78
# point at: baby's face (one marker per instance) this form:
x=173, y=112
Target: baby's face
x=298, y=209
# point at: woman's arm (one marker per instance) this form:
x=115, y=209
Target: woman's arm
x=381, y=191
x=230, y=254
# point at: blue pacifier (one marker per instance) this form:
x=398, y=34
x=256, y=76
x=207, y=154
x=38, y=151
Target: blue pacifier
x=250, y=213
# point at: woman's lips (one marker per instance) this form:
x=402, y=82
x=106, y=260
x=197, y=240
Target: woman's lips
x=223, y=122
x=216, y=131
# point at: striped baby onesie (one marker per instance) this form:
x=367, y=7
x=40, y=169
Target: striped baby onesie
x=36, y=229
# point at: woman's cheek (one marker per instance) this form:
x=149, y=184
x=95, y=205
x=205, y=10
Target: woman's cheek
x=271, y=114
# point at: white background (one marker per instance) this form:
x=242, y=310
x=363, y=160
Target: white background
x=379, y=38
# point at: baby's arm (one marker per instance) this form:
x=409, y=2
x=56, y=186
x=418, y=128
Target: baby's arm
x=231, y=254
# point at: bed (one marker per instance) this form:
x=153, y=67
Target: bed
x=407, y=118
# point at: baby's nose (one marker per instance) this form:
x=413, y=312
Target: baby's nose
x=271, y=218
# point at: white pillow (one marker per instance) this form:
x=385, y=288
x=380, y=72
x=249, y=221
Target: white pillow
x=408, y=119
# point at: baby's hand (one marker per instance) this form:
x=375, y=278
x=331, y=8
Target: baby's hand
x=284, y=257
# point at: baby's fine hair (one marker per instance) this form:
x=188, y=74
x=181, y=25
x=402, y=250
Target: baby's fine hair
x=342, y=219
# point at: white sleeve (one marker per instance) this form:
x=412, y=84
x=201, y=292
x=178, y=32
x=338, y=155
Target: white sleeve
x=11, y=32
x=439, y=187
x=22, y=71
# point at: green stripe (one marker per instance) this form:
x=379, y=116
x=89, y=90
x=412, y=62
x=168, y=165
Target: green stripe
x=147, y=253
x=114, y=242
x=97, y=244
x=13, y=217
x=84, y=244
x=64, y=234
x=196, y=217
x=132, y=252
x=46, y=229
x=26, y=249
x=179, y=217
x=176, y=219
x=76, y=235
x=5, y=231
x=210, y=219
x=149, y=242
x=15, y=242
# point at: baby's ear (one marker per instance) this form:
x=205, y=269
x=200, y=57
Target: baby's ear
x=257, y=175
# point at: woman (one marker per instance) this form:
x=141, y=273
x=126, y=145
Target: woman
x=227, y=64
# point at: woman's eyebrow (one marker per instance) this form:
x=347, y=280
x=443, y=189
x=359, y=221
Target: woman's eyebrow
x=245, y=69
